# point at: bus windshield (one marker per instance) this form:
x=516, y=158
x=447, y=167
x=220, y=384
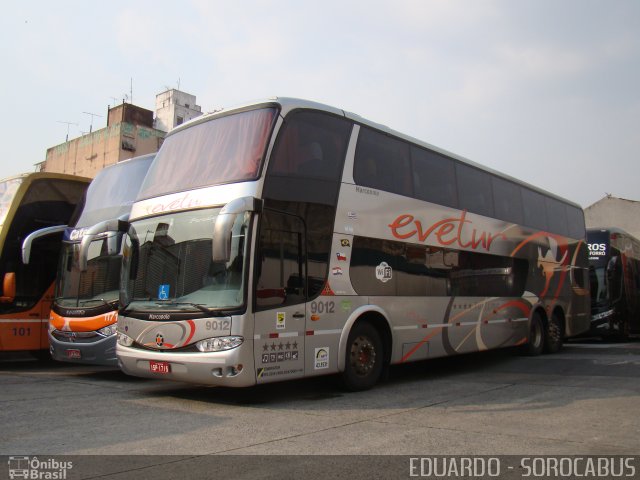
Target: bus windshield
x=168, y=265
x=227, y=149
x=599, y=287
x=95, y=287
x=8, y=190
x=113, y=191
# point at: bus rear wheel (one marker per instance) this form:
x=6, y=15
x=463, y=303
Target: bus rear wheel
x=364, y=358
x=554, y=335
x=536, y=336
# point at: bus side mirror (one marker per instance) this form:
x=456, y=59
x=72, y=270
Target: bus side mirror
x=221, y=245
x=43, y=232
x=112, y=230
x=8, y=288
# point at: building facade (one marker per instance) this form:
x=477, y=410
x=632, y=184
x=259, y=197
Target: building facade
x=173, y=108
x=614, y=212
x=131, y=131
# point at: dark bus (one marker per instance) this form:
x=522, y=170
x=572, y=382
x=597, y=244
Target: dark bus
x=614, y=266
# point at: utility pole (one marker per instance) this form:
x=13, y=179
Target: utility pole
x=68, y=125
x=92, y=115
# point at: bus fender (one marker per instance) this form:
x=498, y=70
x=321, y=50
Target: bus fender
x=538, y=307
x=353, y=318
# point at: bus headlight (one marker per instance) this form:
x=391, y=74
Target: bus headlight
x=124, y=340
x=109, y=330
x=218, y=344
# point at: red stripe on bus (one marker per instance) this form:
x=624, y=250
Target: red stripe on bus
x=419, y=344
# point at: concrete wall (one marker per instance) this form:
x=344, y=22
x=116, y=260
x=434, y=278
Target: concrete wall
x=89, y=154
x=614, y=212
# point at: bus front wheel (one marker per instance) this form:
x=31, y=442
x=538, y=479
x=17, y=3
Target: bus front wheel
x=364, y=358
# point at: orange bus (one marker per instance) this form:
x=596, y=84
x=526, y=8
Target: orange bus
x=82, y=323
x=30, y=202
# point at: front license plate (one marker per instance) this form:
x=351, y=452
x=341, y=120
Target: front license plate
x=73, y=353
x=159, y=367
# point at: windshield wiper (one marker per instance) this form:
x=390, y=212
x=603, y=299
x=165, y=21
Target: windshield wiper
x=198, y=306
x=108, y=304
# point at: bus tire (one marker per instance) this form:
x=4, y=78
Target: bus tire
x=554, y=335
x=536, y=342
x=364, y=358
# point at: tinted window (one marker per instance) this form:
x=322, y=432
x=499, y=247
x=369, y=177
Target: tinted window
x=434, y=177
x=507, y=200
x=474, y=190
x=383, y=162
x=222, y=150
x=534, y=209
x=311, y=144
x=556, y=216
x=382, y=267
x=575, y=222
x=281, y=274
x=373, y=263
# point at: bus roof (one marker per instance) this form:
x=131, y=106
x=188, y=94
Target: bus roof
x=618, y=230
x=287, y=104
x=44, y=175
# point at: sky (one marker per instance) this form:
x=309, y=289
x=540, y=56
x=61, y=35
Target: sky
x=546, y=91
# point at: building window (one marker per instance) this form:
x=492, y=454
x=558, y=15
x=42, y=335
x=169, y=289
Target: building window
x=179, y=120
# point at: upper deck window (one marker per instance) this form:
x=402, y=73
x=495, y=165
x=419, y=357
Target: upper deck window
x=383, y=162
x=227, y=149
x=311, y=145
x=434, y=177
x=474, y=190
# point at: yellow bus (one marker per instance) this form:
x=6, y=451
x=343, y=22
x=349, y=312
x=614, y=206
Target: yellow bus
x=31, y=202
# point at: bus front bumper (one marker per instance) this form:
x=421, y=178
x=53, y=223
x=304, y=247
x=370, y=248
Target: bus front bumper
x=601, y=322
x=101, y=351
x=230, y=368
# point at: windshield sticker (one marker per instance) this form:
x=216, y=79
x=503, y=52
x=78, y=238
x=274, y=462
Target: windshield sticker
x=341, y=257
x=384, y=273
x=345, y=242
x=336, y=271
x=281, y=318
x=163, y=292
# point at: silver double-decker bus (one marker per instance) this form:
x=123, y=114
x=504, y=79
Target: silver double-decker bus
x=284, y=239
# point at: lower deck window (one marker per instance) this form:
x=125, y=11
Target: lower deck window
x=384, y=267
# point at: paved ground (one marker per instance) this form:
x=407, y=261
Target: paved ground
x=583, y=400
